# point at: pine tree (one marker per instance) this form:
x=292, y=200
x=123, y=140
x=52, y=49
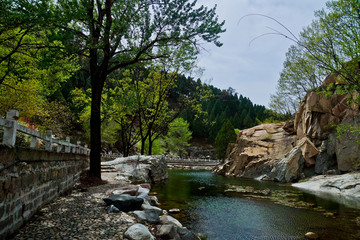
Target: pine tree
x=225, y=136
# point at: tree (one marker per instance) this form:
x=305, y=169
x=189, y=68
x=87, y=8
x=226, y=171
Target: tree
x=329, y=46
x=225, y=136
x=178, y=137
x=117, y=34
x=28, y=77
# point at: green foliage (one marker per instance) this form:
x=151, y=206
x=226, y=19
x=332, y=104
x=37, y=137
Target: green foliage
x=330, y=46
x=157, y=146
x=28, y=77
x=226, y=105
x=225, y=136
x=178, y=137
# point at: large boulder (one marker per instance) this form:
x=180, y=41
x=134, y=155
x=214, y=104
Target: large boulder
x=257, y=150
x=139, y=169
x=124, y=202
x=289, y=168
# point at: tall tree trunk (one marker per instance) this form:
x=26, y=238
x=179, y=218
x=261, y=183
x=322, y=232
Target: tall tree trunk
x=142, y=150
x=95, y=133
x=150, y=144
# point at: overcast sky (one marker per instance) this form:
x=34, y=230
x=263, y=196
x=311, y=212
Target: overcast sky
x=253, y=70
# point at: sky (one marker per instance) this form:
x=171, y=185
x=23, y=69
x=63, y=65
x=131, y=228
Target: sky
x=252, y=67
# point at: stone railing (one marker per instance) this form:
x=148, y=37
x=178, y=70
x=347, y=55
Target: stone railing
x=11, y=127
x=32, y=177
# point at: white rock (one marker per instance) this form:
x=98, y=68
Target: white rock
x=341, y=188
x=138, y=232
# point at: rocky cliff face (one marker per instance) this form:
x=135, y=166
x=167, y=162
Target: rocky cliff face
x=285, y=151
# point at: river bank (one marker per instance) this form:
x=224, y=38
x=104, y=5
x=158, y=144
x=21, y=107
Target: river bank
x=83, y=214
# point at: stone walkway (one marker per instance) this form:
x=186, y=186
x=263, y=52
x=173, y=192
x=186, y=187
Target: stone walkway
x=79, y=215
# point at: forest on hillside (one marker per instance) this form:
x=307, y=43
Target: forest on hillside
x=74, y=67
x=116, y=74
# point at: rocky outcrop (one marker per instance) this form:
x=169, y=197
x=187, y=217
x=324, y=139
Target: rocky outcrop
x=257, y=151
x=285, y=151
x=138, y=169
x=314, y=123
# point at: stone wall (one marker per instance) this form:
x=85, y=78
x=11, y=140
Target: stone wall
x=36, y=179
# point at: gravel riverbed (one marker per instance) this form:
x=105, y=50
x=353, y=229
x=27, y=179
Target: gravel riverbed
x=78, y=215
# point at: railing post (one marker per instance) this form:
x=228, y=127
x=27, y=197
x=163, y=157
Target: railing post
x=33, y=142
x=59, y=147
x=67, y=147
x=9, y=137
x=86, y=150
x=48, y=144
x=78, y=147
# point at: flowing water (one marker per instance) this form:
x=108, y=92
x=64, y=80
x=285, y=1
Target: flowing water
x=227, y=208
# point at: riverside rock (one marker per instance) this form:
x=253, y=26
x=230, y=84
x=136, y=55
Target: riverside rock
x=148, y=215
x=138, y=169
x=257, y=150
x=341, y=188
x=138, y=232
x=124, y=202
x=289, y=151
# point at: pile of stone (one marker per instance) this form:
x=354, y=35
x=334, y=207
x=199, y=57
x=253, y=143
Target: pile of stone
x=151, y=221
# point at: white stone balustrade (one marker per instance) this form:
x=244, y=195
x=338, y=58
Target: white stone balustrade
x=11, y=127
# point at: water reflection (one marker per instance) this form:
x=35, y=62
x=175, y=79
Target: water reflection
x=285, y=213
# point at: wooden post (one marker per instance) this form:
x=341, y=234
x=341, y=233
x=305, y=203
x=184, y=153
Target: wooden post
x=48, y=144
x=9, y=137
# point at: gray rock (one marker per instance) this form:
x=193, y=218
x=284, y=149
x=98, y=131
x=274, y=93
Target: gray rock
x=153, y=200
x=167, y=231
x=138, y=232
x=143, y=193
x=347, y=147
x=113, y=209
x=124, y=202
x=344, y=188
x=166, y=219
x=324, y=163
x=289, y=168
x=139, y=169
x=146, y=206
x=149, y=215
x=186, y=234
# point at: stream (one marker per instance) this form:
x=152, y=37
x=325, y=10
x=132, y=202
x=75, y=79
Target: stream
x=227, y=208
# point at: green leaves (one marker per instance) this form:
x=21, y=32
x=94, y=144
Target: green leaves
x=178, y=137
x=225, y=136
x=330, y=45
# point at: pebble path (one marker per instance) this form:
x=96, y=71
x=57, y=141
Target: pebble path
x=78, y=215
